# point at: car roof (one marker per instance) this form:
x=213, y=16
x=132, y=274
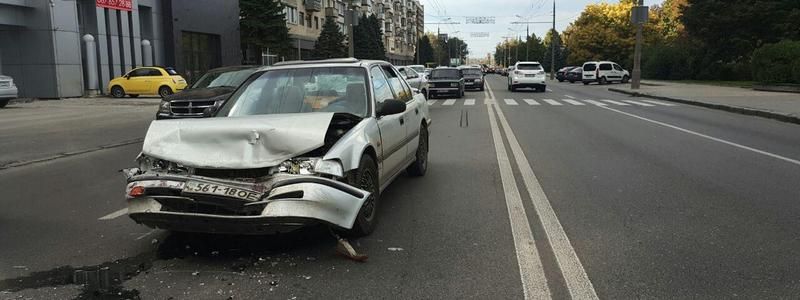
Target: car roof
x=333, y=62
x=234, y=68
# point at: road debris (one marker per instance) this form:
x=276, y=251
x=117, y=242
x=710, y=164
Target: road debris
x=344, y=248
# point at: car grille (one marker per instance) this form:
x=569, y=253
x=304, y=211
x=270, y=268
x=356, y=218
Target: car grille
x=442, y=84
x=189, y=107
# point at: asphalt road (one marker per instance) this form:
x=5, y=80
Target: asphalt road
x=525, y=197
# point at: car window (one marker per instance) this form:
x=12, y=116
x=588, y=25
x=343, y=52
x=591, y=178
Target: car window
x=589, y=67
x=401, y=91
x=171, y=71
x=380, y=86
x=337, y=89
x=605, y=67
x=418, y=69
x=153, y=72
x=139, y=72
x=472, y=72
x=617, y=67
x=528, y=67
x=410, y=73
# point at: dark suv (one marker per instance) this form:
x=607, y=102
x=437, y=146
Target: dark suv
x=205, y=95
x=445, y=80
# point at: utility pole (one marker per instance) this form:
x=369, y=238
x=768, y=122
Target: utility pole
x=639, y=17
x=351, y=18
x=527, y=33
x=553, y=44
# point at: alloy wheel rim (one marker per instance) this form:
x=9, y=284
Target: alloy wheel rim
x=367, y=183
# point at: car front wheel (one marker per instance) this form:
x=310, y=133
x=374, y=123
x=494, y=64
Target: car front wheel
x=164, y=91
x=366, y=178
x=4, y=102
x=625, y=79
x=420, y=166
x=117, y=92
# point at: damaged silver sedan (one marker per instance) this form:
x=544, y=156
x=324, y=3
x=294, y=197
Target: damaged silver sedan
x=299, y=143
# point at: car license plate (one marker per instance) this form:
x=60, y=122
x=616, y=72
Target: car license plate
x=530, y=75
x=195, y=187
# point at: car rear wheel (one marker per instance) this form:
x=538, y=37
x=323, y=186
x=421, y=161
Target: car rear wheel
x=117, y=92
x=603, y=81
x=164, y=91
x=366, y=178
x=4, y=102
x=572, y=81
x=420, y=166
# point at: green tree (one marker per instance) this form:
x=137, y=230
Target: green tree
x=262, y=24
x=425, y=50
x=457, y=48
x=330, y=43
x=368, y=39
x=560, y=52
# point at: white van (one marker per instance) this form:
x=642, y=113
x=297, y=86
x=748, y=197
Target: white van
x=604, y=72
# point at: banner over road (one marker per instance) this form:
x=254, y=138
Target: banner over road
x=126, y=5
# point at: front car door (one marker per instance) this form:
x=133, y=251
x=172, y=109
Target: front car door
x=136, y=81
x=412, y=115
x=392, y=128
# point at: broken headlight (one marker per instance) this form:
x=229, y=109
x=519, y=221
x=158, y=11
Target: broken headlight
x=311, y=166
x=147, y=164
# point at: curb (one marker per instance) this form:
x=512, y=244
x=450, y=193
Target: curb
x=68, y=154
x=734, y=109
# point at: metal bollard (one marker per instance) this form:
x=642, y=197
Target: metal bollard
x=91, y=65
x=147, y=53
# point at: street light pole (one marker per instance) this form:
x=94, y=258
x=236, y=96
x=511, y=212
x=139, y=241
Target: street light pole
x=637, y=53
x=553, y=45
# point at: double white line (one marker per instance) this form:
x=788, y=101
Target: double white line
x=534, y=281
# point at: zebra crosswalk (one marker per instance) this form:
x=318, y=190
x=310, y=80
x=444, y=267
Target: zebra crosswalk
x=552, y=102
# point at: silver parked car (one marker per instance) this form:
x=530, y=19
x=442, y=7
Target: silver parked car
x=299, y=143
x=8, y=90
x=414, y=79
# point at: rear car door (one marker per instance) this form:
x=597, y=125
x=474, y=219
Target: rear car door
x=607, y=71
x=392, y=127
x=153, y=81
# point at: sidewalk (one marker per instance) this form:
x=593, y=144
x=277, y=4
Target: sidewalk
x=780, y=106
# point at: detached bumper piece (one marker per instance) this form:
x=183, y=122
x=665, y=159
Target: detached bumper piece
x=282, y=203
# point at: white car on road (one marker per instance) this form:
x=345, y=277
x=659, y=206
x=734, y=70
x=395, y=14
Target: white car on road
x=527, y=74
x=604, y=72
x=297, y=144
x=414, y=79
x=8, y=90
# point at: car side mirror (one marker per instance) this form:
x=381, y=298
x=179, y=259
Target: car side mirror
x=391, y=107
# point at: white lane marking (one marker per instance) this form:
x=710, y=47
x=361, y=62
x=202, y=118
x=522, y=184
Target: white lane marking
x=616, y=102
x=549, y=90
x=573, y=102
x=638, y=103
x=552, y=102
x=575, y=277
x=431, y=102
x=469, y=102
x=114, y=215
x=449, y=102
x=740, y=146
x=568, y=96
x=146, y=234
x=598, y=103
x=659, y=102
x=510, y=101
x=534, y=282
x=530, y=101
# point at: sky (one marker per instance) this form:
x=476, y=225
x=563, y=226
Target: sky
x=505, y=12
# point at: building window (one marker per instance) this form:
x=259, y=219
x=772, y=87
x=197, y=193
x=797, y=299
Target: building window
x=291, y=14
x=316, y=22
x=342, y=8
x=302, y=19
x=341, y=28
x=308, y=20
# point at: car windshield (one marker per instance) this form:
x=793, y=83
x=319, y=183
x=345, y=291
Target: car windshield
x=418, y=69
x=472, y=72
x=529, y=67
x=303, y=90
x=445, y=74
x=217, y=79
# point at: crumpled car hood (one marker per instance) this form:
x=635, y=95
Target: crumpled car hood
x=236, y=142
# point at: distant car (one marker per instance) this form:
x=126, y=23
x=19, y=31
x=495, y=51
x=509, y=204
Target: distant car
x=209, y=92
x=414, y=79
x=604, y=72
x=574, y=74
x=527, y=74
x=473, y=78
x=561, y=74
x=147, y=81
x=445, y=81
x=427, y=71
x=420, y=69
x=8, y=90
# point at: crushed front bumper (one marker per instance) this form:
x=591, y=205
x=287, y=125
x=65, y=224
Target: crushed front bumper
x=285, y=203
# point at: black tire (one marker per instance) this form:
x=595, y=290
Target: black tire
x=461, y=93
x=164, y=91
x=420, y=166
x=513, y=88
x=4, y=102
x=482, y=88
x=509, y=86
x=572, y=81
x=585, y=83
x=366, y=178
x=561, y=80
x=133, y=95
x=625, y=79
x=603, y=81
x=117, y=92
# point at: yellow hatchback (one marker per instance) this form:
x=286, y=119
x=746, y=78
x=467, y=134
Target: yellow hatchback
x=147, y=81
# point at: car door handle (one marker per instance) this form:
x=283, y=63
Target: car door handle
x=402, y=121
x=416, y=111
